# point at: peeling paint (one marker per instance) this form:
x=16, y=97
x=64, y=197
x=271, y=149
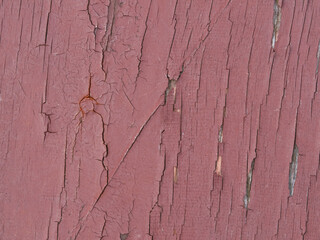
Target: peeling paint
x=123, y=236
x=172, y=85
x=248, y=184
x=220, y=134
x=175, y=174
x=276, y=22
x=136, y=148
x=218, y=166
x=293, y=169
x=318, y=59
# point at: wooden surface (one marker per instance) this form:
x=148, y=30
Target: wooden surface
x=151, y=119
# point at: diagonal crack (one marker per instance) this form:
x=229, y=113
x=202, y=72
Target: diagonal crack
x=122, y=161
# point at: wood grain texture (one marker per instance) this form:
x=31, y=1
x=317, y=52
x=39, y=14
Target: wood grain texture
x=146, y=119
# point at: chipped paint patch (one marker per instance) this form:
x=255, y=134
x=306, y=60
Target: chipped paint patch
x=175, y=174
x=318, y=57
x=293, y=169
x=220, y=134
x=276, y=22
x=218, y=166
x=248, y=185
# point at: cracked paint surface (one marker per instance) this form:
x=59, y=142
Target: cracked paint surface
x=147, y=119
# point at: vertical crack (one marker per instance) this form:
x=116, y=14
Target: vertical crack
x=200, y=77
x=307, y=211
x=18, y=52
x=106, y=38
x=49, y=224
x=220, y=135
x=141, y=46
x=65, y=163
x=174, y=18
x=316, y=77
x=105, y=154
x=46, y=33
x=159, y=192
x=89, y=14
x=1, y=27
x=19, y=13
x=278, y=223
x=103, y=227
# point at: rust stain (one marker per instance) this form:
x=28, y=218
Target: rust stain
x=85, y=98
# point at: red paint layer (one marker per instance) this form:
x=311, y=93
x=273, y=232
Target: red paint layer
x=159, y=119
